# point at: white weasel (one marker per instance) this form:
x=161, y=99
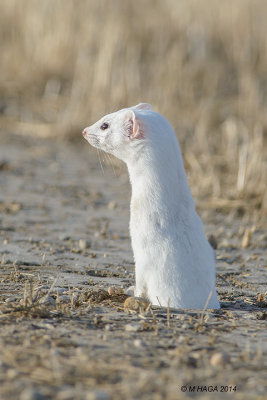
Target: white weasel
x=174, y=262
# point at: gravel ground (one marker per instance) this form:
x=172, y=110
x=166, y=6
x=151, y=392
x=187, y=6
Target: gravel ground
x=65, y=241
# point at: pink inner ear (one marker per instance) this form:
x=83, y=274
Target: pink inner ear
x=137, y=130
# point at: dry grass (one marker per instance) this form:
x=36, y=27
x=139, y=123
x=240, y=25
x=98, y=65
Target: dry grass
x=203, y=64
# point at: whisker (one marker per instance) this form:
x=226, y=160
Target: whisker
x=106, y=158
x=111, y=164
x=100, y=161
x=103, y=155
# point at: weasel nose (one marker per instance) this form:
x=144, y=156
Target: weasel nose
x=84, y=132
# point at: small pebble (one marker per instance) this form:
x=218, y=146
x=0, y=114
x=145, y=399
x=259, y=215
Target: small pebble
x=185, y=326
x=47, y=300
x=113, y=290
x=137, y=304
x=64, y=236
x=219, y=359
x=84, y=244
x=133, y=327
x=11, y=299
x=226, y=243
x=64, y=299
x=138, y=343
x=108, y=328
x=130, y=291
x=213, y=242
x=237, y=306
x=181, y=339
x=32, y=394
x=58, y=290
x=112, y=205
x=98, y=395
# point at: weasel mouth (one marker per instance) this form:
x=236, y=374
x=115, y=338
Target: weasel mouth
x=94, y=141
x=84, y=132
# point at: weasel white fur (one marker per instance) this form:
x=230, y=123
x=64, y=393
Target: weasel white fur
x=174, y=262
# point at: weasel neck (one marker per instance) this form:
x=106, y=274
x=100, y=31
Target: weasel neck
x=161, y=187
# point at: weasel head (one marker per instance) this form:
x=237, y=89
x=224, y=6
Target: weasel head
x=122, y=133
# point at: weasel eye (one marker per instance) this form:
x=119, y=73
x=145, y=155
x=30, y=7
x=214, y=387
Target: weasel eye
x=104, y=126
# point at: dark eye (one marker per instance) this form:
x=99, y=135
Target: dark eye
x=104, y=126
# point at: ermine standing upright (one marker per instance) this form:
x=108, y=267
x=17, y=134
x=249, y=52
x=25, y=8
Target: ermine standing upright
x=174, y=262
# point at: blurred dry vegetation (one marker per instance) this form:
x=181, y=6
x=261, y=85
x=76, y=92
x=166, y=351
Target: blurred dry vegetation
x=202, y=64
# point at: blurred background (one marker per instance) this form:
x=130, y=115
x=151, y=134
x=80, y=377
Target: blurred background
x=200, y=63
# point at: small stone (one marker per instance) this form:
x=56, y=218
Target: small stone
x=219, y=359
x=112, y=205
x=108, y=328
x=47, y=301
x=64, y=299
x=237, y=305
x=191, y=360
x=133, y=327
x=137, y=304
x=64, y=236
x=130, y=291
x=213, y=242
x=262, y=316
x=138, y=343
x=181, y=339
x=113, y=290
x=66, y=342
x=12, y=373
x=32, y=394
x=11, y=299
x=84, y=244
x=226, y=243
x=98, y=395
x=58, y=290
x=185, y=326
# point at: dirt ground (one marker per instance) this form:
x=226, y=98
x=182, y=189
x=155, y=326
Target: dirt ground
x=64, y=241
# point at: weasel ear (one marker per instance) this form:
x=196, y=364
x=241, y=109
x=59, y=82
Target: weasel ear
x=143, y=106
x=132, y=125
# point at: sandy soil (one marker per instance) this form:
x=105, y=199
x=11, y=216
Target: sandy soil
x=64, y=241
